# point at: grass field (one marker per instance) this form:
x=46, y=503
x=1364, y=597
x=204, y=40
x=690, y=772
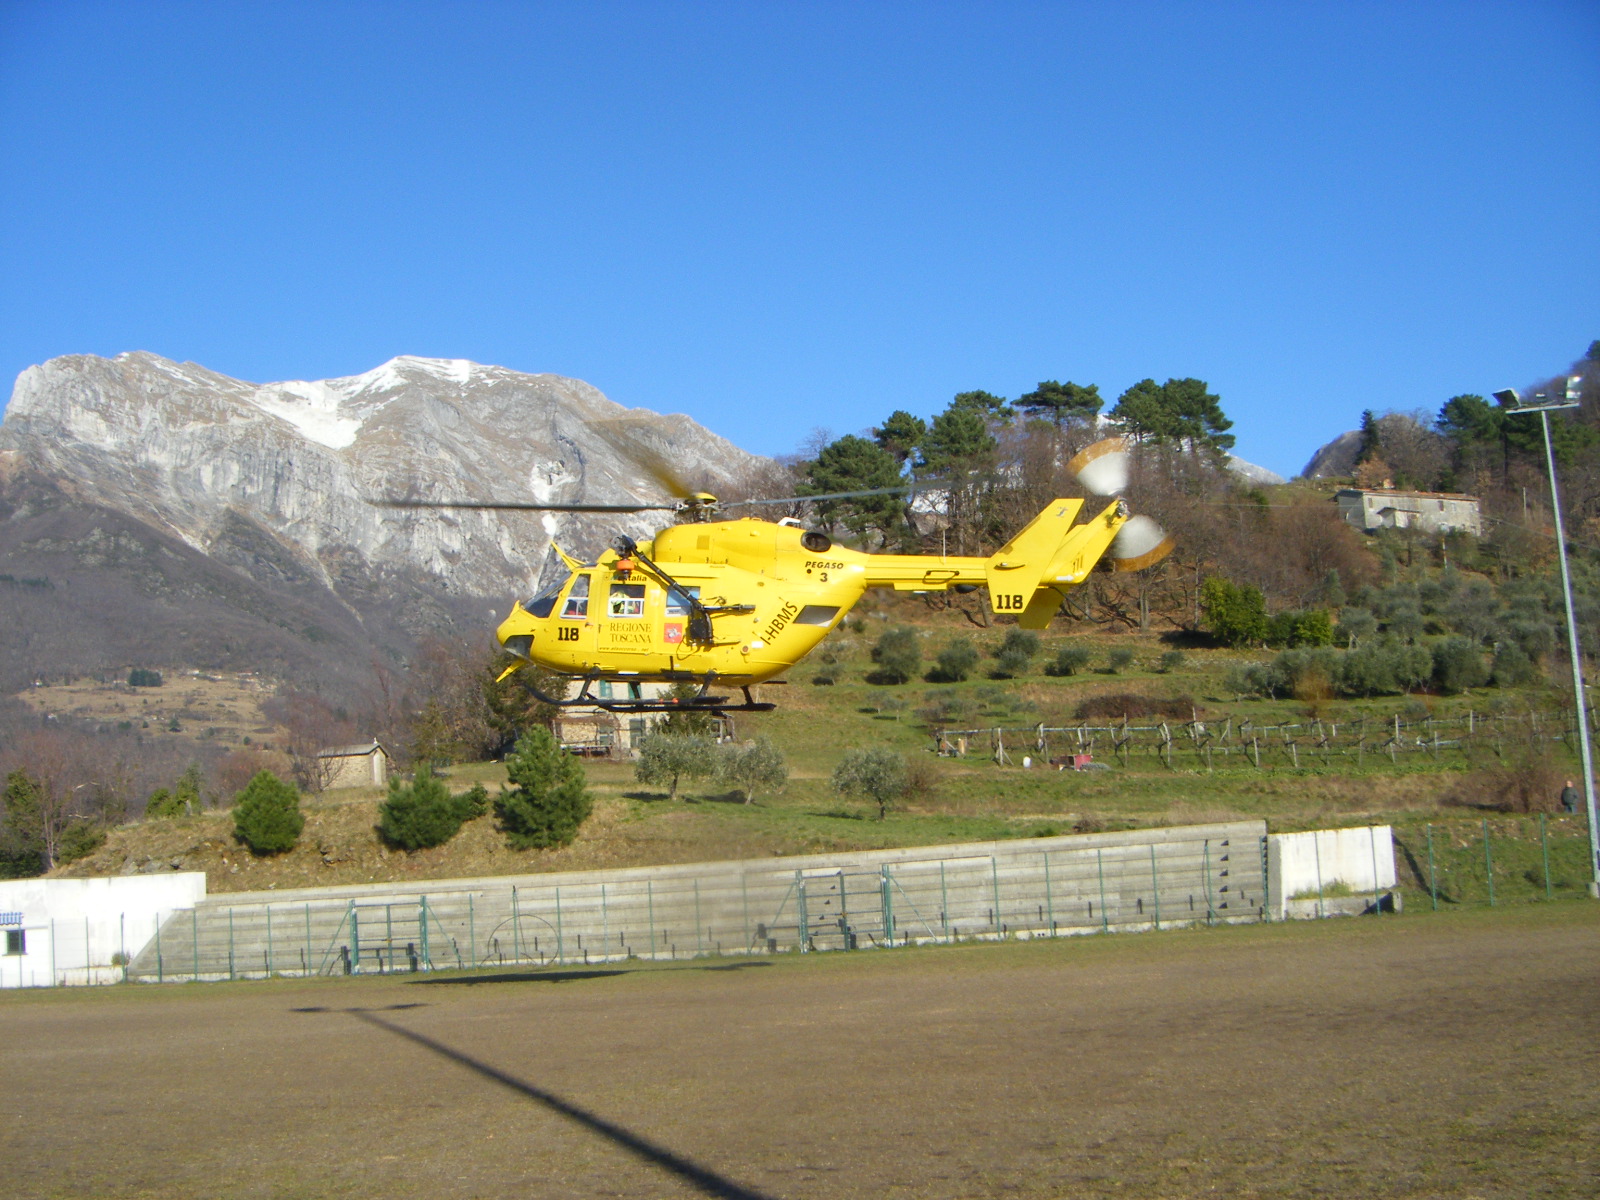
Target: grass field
x=1449, y=1055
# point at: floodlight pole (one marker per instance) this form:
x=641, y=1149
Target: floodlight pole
x=1543, y=405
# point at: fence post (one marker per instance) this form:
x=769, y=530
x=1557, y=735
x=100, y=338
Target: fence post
x=230, y=942
x=1100, y=865
x=698, y=946
x=744, y=893
x=472, y=932
x=944, y=899
x=52, y=952
x=422, y=905
x=269, y=941
x=516, y=927
x=1206, y=861
x=994, y=875
x=1155, y=886
x=1049, y=905
x=160, y=976
x=650, y=896
x=194, y=941
x=1433, y=879
x=888, y=902
x=355, y=936
x=1544, y=846
x=1316, y=845
x=1488, y=861
x=1372, y=843
x=561, y=947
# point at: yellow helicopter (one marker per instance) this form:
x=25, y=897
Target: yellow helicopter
x=734, y=603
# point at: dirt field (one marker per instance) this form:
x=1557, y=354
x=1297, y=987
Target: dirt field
x=1414, y=1056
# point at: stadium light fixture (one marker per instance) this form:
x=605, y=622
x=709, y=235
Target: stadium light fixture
x=1544, y=405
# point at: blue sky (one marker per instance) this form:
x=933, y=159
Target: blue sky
x=778, y=217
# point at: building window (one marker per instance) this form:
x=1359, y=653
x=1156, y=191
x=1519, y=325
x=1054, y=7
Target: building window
x=16, y=941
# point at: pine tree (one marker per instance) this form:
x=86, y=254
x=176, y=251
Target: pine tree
x=549, y=799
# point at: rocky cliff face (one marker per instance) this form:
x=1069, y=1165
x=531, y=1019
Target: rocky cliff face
x=199, y=454
x=271, y=483
x=1335, y=459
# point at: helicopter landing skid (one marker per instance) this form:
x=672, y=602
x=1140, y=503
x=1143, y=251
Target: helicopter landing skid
x=701, y=701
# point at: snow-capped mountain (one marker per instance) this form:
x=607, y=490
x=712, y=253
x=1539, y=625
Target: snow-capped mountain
x=191, y=450
x=273, y=482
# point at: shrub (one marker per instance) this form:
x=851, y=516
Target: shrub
x=548, y=801
x=1294, y=629
x=956, y=661
x=1171, y=661
x=1369, y=670
x=423, y=813
x=187, y=792
x=898, y=655
x=79, y=839
x=144, y=677
x=1458, y=665
x=162, y=805
x=1250, y=679
x=1016, y=652
x=1357, y=625
x=1069, y=661
x=1235, y=613
x=946, y=707
x=877, y=773
x=266, y=815
x=759, y=765
x=667, y=758
x=1512, y=666
x=1119, y=660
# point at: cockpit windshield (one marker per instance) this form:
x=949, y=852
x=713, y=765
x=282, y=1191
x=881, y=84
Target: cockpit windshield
x=540, y=605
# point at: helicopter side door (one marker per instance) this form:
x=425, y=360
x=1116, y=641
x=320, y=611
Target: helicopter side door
x=629, y=621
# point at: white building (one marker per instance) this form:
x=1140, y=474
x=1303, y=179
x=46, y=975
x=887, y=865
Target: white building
x=59, y=932
x=1370, y=509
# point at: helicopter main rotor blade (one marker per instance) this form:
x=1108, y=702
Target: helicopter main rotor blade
x=520, y=506
x=888, y=491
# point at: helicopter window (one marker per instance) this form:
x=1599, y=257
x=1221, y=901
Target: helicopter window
x=627, y=600
x=541, y=604
x=817, y=614
x=676, y=605
x=577, y=605
x=817, y=543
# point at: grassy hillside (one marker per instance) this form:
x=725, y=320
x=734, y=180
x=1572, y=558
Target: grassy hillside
x=959, y=799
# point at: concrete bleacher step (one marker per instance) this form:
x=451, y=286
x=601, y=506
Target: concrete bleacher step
x=1028, y=887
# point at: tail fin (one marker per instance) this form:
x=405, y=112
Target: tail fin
x=1030, y=574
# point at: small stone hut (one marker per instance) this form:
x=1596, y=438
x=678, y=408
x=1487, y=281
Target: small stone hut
x=366, y=765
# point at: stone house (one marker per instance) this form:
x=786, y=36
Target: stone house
x=1370, y=509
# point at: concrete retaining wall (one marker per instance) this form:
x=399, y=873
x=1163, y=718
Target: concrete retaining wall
x=1302, y=863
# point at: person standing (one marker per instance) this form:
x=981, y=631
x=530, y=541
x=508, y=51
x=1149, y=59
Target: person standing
x=1569, y=798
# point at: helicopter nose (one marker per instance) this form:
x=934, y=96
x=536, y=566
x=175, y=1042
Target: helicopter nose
x=514, y=633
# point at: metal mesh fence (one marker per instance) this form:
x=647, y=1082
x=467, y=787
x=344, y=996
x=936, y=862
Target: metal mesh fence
x=1040, y=887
